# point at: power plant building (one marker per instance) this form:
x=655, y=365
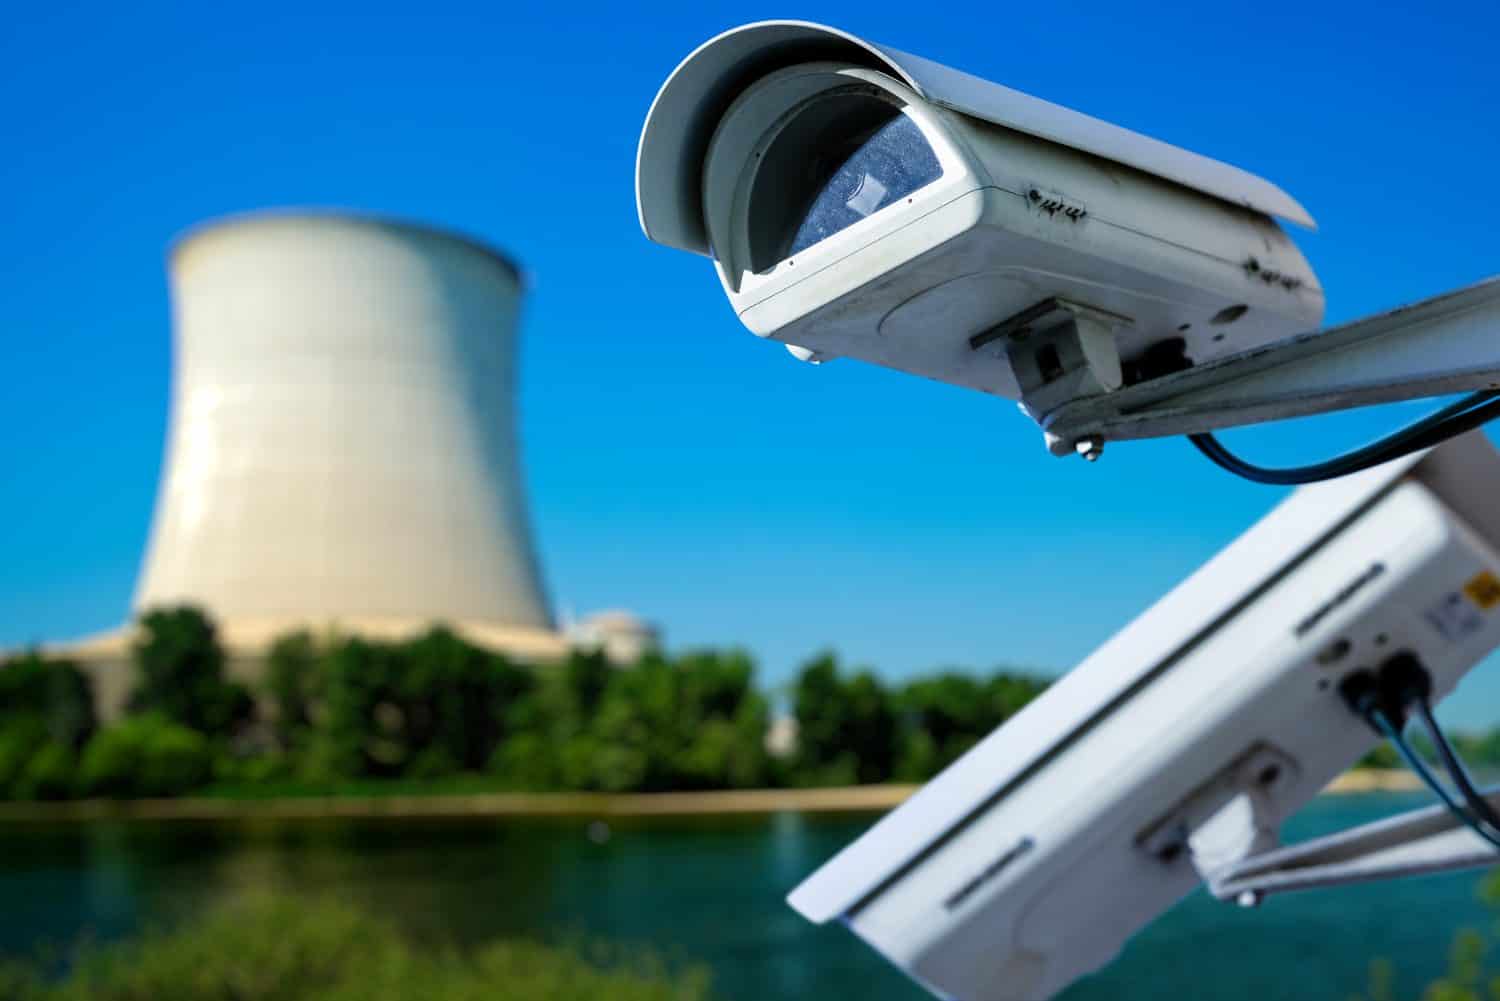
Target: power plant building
x=342, y=448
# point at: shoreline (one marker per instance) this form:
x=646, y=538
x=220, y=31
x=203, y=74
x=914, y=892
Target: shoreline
x=1374, y=780
x=595, y=806
x=844, y=799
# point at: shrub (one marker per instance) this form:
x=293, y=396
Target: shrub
x=20, y=739
x=111, y=762
x=49, y=774
x=327, y=759
x=265, y=768
x=176, y=760
x=1382, y=755
x=526, y=761
x=145, y=756
x=431, y=763
x=1468, y=977
x=288, y=949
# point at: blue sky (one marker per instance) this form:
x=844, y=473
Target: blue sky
x=677, y=465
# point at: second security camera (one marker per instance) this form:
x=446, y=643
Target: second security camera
x=1173, y=754
x=861, y=202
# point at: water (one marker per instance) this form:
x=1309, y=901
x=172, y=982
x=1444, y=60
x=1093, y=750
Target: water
x=708, y=890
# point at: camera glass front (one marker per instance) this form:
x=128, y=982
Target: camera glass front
x=838, y=159
x=868, y=173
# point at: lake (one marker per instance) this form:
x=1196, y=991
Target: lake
x=707, y=889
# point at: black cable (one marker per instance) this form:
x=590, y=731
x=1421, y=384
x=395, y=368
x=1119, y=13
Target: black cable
x=1414, y=761
x=1478, y=805
x=1448, y=422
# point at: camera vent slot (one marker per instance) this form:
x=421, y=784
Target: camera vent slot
x=988, y=873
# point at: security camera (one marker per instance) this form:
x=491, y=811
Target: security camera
x=1173, y=753
x=861, y=202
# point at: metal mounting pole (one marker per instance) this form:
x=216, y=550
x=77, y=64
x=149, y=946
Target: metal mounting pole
x=1446, y=344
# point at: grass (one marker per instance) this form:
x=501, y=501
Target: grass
x=280, y=948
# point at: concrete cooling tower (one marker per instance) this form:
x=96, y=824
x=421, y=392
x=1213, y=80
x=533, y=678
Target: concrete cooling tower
x=342, y=440
x=342, y=446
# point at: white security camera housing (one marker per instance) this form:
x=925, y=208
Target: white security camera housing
x=862, y=202
x=1178, y=747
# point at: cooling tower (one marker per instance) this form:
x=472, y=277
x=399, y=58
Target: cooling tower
x=342, y=443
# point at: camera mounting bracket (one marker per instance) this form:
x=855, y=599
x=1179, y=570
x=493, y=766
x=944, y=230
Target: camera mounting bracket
x=1060, y=350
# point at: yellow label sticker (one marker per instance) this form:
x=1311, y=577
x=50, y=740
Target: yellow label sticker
x=1484, y=590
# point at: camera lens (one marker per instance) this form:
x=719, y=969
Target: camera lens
x=884, y=166
x=838, y=159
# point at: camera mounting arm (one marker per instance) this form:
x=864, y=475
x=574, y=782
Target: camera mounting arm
x=1418, y=842
x=1228, y=829
x=1447, y=344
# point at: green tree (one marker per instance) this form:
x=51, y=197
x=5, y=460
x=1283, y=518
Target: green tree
x=846, y=730
x=359, y=735
x=53, y=691
x=691, y=722
x=823, y=756
x=871, y=727
x=180, y=673
x=426, y=707
x=553, y=746
x=1479, y=748
x=1007, y=692
x=46, y=714
x=294, y=683
x=457, y=696
x=945, y=715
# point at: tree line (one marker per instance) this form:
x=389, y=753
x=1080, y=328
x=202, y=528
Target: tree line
x=331, y=711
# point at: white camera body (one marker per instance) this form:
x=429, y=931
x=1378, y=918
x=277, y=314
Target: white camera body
x=861, y=202
x=1180, y=745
